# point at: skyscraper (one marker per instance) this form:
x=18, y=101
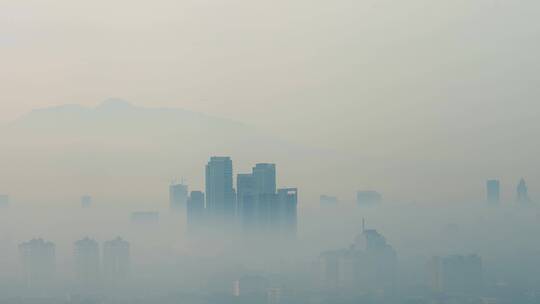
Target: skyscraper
x=247, y=197
x=39, y=262
x=178, y=196
x=86, y=201
x=87, y=263
x=456, y=274
x=116, y=260
x=268, y=213
x=220, y=196
x=264, y=176
x=493, y=191
x=263, y=209
x=195, y=210
x=287, y=201
x=522, y=192
x=369, y=264
x=364, y=198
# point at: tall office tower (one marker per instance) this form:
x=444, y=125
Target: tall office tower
x=493, y=191
x=251, y=287
x=269, y=219
x=195, y=210
x=247, y=196
x=522, y=192
x=178, y=196
x=369, y=265
x=287, y=202
x=116, y=260
x=39, y=263
x=365, y=198
x=220, y=195
x=87, y=263
x=4, y=200
x=86, y=201
x=456, y=274
x=264, y=176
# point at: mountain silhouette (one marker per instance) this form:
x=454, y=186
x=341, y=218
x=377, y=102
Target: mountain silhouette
x=117, y=148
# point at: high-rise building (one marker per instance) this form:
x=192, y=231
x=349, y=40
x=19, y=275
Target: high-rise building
x=456, y=274
x=493, y=191
x=86, y=201
x=87, y=263
x=195, y=210
x=220, y=195
x=116, y=260
x=268, y=213
x=39, y=262
x=250, y=285
x=287, y=201
x=364, y=198
x=263, y=209
x=247, y=197
x=178, y=196
x=369, y=265
x=264, y=176
x=522, y=192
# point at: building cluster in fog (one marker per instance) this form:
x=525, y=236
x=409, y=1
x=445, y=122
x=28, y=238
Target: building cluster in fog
x=367, y=198
x=256, y=204
x=92, y=269
x=258, y=254
x=493, y=192
x=456, y=274
x=368, y=265
x=38, y=259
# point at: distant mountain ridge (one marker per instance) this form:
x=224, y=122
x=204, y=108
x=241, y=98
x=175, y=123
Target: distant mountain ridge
x=78, y=149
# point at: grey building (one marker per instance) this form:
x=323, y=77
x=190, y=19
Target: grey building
x=522, y=192
x=456, y=274
x=287, y=200
x=195, y=210
x=220, y=195
x=116, y=260
x=261, y=207
x=368, y=265
x=178, y=196
x=87, y=263
x=247, y=197
x=86, y=201
x=493, y=190
x=264, y=176
x=38, y=260
x=366, y=198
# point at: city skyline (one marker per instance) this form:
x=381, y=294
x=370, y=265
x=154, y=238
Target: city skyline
x=118, y=121
x=269, y=152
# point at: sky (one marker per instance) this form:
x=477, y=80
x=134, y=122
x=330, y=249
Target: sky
x=447, y=89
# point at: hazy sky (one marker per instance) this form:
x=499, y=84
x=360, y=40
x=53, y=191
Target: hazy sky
x=417, y=82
